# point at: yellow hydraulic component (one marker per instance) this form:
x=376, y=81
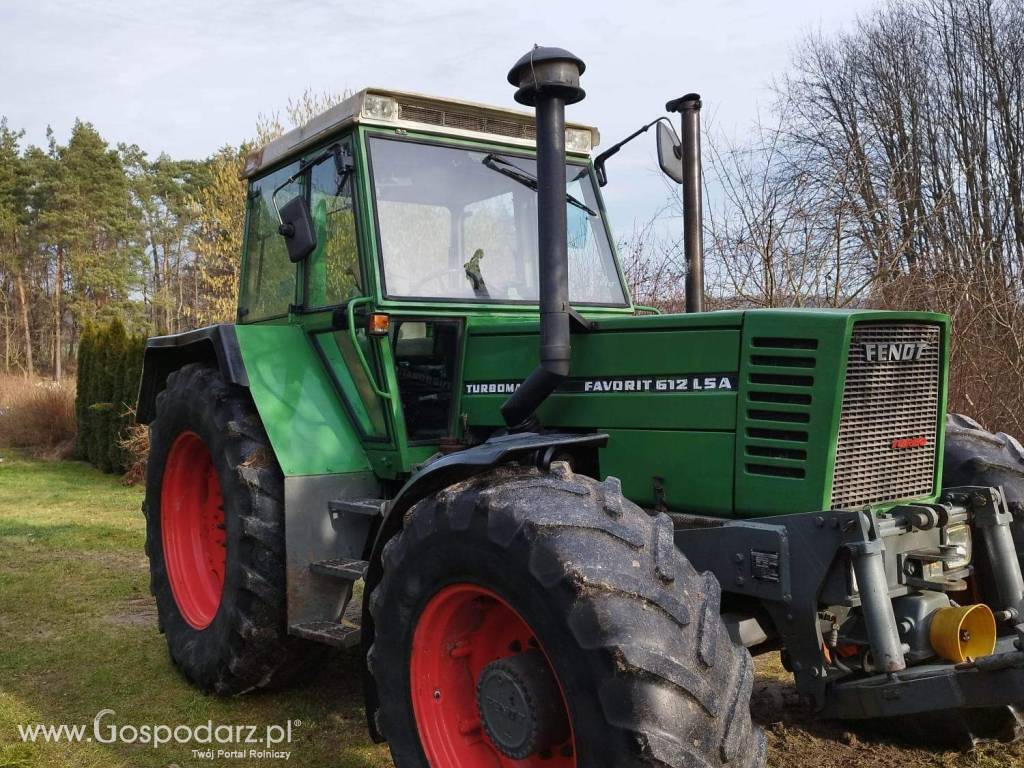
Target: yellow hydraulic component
x=968, y=631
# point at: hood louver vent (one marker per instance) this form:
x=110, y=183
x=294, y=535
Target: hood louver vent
x=778, y=406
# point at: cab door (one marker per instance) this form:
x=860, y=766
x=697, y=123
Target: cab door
x=398, y=383
x=332, y=277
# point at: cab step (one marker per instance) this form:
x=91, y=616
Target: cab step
x=329, y=633
x=347, y=570
x=368, y=507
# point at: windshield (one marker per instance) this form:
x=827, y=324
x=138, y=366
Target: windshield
x=461, y=224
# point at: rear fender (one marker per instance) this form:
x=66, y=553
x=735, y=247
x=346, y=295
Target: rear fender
x=215, y=345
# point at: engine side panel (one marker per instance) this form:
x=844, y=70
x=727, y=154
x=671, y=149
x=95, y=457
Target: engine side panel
x=723, y=413
x=663, y=388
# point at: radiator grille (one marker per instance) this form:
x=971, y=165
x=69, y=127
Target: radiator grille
x=889, y=405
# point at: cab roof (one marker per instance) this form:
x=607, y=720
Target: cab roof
x=414, y=111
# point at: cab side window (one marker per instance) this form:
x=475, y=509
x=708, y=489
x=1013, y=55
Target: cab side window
x=269, y=284
x=332, y=271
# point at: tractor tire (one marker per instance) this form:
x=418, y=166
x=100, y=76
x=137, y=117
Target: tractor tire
x=975, y=456
x=535, y=618
x=215, y=538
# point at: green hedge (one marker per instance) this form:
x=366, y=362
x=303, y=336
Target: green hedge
x=109, y=368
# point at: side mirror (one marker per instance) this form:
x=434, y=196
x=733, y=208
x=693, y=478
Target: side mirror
x=670, y=155
x=297, y=229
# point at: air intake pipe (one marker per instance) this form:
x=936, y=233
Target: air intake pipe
x=693, y=210
x=548, y=79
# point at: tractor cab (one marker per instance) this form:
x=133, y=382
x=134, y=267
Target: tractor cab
x=388, y=223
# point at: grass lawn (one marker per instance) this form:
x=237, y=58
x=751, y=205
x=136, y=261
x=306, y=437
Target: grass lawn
x=78, y=635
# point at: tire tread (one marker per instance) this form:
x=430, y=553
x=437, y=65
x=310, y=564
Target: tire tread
x=258, y=653
x=638, y=605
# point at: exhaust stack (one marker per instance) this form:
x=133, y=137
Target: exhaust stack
x=693, y=211
x=548, y=79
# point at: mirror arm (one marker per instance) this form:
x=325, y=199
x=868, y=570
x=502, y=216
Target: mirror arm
x=600, y=160
x=602, y=175
x=333, y=151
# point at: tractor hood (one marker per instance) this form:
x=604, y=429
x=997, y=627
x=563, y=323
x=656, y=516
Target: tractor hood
x=753, y=412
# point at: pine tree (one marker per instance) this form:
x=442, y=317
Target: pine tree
x=84, y=390
x=89, y=226
x=113, y=457
x=13, y=206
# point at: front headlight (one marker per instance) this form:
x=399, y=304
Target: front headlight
x=377, y=107
x=959, y=536
x=578, y=140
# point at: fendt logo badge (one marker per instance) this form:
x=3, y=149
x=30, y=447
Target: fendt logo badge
x=894, y=352
x=903, y=443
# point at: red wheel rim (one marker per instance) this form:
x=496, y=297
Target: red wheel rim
x=464, y=628
x=192, y=525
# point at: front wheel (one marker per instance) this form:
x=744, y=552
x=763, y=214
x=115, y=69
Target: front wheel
x=536, y=619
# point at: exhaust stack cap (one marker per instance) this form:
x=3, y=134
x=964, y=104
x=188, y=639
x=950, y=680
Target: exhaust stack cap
x=689, y=101
x=548, y=71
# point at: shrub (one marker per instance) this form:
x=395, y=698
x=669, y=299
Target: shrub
x=37, y=416
x=109, y=367
x=135, y=447
x=83, y=396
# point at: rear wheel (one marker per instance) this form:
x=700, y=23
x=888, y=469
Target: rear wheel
x=536, y=619
x=192, y=530
x=975, y=456
x=215, y=537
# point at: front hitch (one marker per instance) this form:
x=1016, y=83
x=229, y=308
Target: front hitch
x=991, y=681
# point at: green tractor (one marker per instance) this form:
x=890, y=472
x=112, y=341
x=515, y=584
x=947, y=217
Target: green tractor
x=558, y=524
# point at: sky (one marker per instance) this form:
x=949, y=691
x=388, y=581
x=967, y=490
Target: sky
x=188, y=76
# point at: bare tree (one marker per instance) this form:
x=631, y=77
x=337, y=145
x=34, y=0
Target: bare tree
x=890, y=174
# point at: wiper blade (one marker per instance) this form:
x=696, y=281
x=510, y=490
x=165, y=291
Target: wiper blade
x=506, y=168
x=514, y=172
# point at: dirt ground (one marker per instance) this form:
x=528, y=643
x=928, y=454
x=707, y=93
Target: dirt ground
x=78, y=635
x=797, y=738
